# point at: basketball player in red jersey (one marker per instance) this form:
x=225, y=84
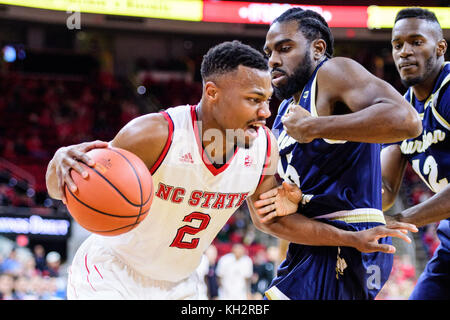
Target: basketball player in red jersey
x=205, y=160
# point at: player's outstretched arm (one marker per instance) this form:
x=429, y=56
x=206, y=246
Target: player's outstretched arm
x=144, y=136
x=432, y=210
x=376, y=112
x=300, y=229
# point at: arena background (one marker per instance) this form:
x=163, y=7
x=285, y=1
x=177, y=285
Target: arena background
x=82, y=71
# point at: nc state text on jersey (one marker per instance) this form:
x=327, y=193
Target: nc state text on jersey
x=204, y=199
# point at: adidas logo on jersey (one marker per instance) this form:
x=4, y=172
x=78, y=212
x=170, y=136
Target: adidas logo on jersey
x=187, y=158
x=248, y=161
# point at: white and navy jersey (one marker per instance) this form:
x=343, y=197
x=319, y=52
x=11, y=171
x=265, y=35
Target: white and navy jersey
x=429, y=153
x=341, y=179
x=193, y=200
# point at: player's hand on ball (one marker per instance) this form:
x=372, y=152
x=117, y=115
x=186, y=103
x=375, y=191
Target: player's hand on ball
x=69, y=158
x=367, y=240
x=278, y=202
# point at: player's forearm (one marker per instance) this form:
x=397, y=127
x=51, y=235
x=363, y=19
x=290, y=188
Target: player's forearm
x=379, y=123
x=299, y=229
x=393, y=165
x=51, y=181
x=389, y=195
x=432, y=210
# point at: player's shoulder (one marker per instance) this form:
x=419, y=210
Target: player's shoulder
x=147, y=126
x=145, y=136
x=441, y=98
x=338, y=67
x=340, y=74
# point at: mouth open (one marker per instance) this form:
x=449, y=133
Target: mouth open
x=253, y=128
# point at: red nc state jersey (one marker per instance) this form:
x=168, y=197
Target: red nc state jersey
x=193, y=200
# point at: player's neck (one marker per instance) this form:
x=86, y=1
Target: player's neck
x=423, y=89
x=296, y=96
x=216, y=149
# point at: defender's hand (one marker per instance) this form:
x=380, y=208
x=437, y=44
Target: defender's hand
x=294, y=122
x=278, y=202
x=367, y=240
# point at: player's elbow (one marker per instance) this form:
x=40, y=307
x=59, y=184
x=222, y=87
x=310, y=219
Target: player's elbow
x=262, y=226
x=388, y=202
x=415, y=125
x=388, y=197
x=410, y=123
x=258, y=224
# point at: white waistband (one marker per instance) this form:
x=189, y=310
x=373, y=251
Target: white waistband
x=356, y=215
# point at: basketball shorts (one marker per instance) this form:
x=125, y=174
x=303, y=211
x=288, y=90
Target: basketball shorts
x=97, y=274
x=331, y=273
x=434, y=282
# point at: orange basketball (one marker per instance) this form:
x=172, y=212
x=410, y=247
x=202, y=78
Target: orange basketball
x=115, y=197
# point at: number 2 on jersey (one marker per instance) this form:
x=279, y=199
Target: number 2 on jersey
x=179, y=242
x=430, y=168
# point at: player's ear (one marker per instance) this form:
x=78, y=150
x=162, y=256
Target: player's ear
x=441, y=48
x=211, y=90
x=319, y=47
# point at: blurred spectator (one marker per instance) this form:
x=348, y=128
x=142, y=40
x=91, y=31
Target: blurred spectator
x=22, y=290
x=234, y=271
x=39, y=257
x=53, y=260
x=211, y=277
x=202, y=271
x=263, y=273
x=29, y=267
x=27, y=282
x=11, y=264
x=6, y=287
x=208, y=286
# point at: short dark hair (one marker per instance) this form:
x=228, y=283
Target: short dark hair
x=311, y=24
x=228, y=56
x=419, y=13
x=416, y=12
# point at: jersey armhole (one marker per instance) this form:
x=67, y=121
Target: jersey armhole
x=436, y=105
x=168, y=143
x=268, y=153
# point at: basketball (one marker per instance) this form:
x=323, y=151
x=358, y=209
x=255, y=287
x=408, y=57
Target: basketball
x=115, y=197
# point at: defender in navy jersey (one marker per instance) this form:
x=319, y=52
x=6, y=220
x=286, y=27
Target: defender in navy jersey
x=418, y=49
x=328, y=130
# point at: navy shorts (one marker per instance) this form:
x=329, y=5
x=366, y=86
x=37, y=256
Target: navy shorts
x=434, y=282
x=331, y=273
